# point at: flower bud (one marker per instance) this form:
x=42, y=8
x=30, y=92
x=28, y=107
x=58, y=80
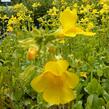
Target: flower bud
x=32, y=53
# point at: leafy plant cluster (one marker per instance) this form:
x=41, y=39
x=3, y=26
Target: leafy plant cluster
x=89, y=55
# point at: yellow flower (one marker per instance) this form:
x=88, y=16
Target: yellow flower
x=105, y=9
x=75, y=5
x=13, y=21
x=83, y=74
x=56, y=83
x=90, y=26
x=5, y=17
x=36, y=5
x=103, y=1
x=95, y=11
x=68, y=19
x=9, y=28
x=52, y=11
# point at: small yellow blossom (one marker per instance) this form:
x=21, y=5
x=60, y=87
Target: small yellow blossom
x=36, y=4
x=68, y=20
x=53, y=3
x=13, y=21
x=9, y=28
x=103, y=1
x=105, y=9
x=95, y=11
x=85, y=9
x=56, y=83
x=75, y=5
x=19, y=7
x=84, y=20
x=52, y=11
x=83, y=74
x=90, y=26
x=5, y=17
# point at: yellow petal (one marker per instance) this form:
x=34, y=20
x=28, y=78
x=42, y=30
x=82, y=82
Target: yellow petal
x=56, y=67
x=71, y=80
x=77, y=30
x=59, y=95
x=67, y=95
x=68, y=18
x=72, y=32
x=39, y=83
x=46, y=80
x=89, y=33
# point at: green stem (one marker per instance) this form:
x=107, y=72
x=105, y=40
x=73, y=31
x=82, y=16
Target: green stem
x=69, y=106
x=91, y=76
x=59, y=107
x=63, y=107
x=99, y=79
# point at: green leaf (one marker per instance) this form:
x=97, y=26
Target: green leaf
x=107, y=105
x=94, y=87
x=106, y=71
x=26, y=76
x=106, y=96
x=100, y=72
x=78, y=105
x=94, y=102
x=105, y=84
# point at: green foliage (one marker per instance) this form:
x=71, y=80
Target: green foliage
x=84, y=54
x=94, y=87
x=93, y=101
